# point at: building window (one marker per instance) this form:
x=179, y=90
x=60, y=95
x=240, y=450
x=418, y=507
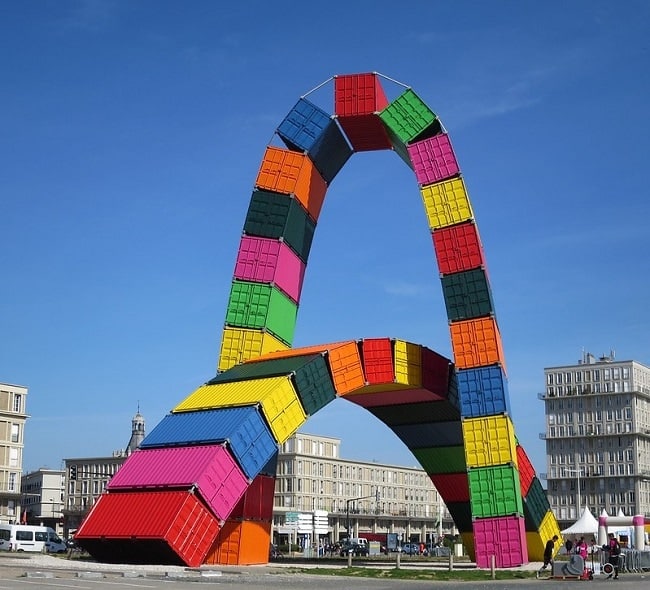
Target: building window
x=18, y=402
x=11, y=486
x=15, y=433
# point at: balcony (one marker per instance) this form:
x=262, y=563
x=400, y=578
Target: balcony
x=543, y=436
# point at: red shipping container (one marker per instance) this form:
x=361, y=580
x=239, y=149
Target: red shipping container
x=377, y=360
x=433, y=159
x=453, y=487
x=241, y=543
x=358, y=94
x=264, y=260
x=526, y=470
x=504, y=538
x=435, y=372
x=211, y=468
x=257, y=501
x=149, y=527
x=458, y=248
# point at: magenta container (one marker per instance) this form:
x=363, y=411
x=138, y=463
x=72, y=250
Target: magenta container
x=433, y=159
x=264, y=260
x=210, y=468
x=503, y=537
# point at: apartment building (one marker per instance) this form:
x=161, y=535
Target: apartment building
x=42, y=498
x=597, y=435
x=13, y=416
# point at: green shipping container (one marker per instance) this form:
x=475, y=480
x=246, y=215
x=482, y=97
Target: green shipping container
x=436, y=460
x=536, y=505
x=467, y=295
x=261, y=306
x=409, y=118
x=495, y=491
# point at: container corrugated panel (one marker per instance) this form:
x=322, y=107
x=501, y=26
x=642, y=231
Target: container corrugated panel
x=239, y=345
x=271, y=467
x=378, y=360
x=536, y=541
x=264, y=260
x=476, y=343
x=446, y=203
x=274, y=215
x=394, y=398
x=358, y=94
x=292, y=173
x=257, y=501
x=467, y=295
x=453, y=397
x=495, y=491
x=244, y=429
x=274, y=367
x=415, y=413
x=142, y=527
x=303, y=126
x=461, y=513
x=504, y=538
x=408, y=363
x=256, y=305
x=458, y=248
x=453, y=487
x=303, y=350
x=433, y=159
x=409, y=117
x=330, y=153
x=468, y=543
x=435, y=372
x=536, y=505
x=365, y=132
x=279, y=400
x=346, y=368
x=489, y=441
x=432, y=434
x=241, y=543
x=210, y=468
x=483, y=391
x=436, y=460
x=526, y=470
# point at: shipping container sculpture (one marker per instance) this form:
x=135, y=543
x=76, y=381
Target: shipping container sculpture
x=200, y=488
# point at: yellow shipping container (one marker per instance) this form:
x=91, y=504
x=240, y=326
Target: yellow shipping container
x=280, y=403
x=238, y=346
x=536, y=540
x=489, y=440
x=446, y=203
x=408, y=363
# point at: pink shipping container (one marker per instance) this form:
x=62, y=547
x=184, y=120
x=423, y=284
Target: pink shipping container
x=257, y=501
x=433, y=159
x=264, y=260
x=166, y=528
x=503, y=537
x=211, y=468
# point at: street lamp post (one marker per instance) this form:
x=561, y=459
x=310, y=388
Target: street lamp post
x=577, y=473
x=347, y=508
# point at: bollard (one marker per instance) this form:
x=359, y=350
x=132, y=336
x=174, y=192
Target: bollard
x=399, y=553
x=451, y=561
x=349, y=557
x=492, y=566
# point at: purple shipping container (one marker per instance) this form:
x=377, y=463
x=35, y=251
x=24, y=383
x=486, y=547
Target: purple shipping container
x=503, y=537
x=211, y=468
x=433, y=159
x=264, y=260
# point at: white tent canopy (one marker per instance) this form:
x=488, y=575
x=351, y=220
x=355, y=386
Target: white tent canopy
x=585, y=525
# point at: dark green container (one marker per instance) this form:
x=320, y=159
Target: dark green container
x=418, y=413
x=436, y=460
x=409, y=118
x=536, y=505
x=273, y=215
x=461, y=513
x=262, y=306
x=495, y=491
x=467, y=295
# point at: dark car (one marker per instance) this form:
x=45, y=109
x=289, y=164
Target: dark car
x=356, y=549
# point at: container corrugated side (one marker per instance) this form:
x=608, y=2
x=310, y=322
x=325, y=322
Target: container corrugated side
x=273, y=367
x=446, y=203
x=303, y=126
x=345, y=364
x=504, y=538
x=292, y=173
x=483, y=391
x=302, y=351
x=257, y=501
x=409, y=117
x=526, y=470
x=265, y=260
x=244, y=429
x=314, y=386
x=489, y=441
x=436, y=371
x=536, y=505
x=358, y=94
x=461, y=514
x=453, y=487
x=476, y=343
x=536, y=541
x=241, y=543
x=495, y=491
x=433, y=159
x=458, y=248
x=408, y=363
x=211, y=468
x=239, y=345
x=394, y=396
x=432, y=434
x=275, y=215
x=436, y=460
x=331, y=152
x=377, y=359
x=415, y=413
x=142, y=527
x=365, y=132
x=467, y=295
x=276, y=395
x=257, y=306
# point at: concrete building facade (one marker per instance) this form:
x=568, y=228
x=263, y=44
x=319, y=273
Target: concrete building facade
x=597, y=435
x=42, y=494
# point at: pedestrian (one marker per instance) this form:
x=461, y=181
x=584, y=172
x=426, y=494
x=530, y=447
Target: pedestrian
x=581, y=548
x=568, y=546
x=614, y=549
x=549, y=549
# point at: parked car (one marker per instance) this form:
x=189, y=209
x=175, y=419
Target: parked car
x=358, y=550
x=411, y=548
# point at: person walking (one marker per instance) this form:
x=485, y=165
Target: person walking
x=614, y=549
x=549, y=550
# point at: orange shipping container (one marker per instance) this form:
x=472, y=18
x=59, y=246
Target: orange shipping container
x=244, y=542
x=476, y=343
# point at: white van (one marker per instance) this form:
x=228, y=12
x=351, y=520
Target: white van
x=24, y=537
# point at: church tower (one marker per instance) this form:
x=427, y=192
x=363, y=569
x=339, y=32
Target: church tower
x=137, y=432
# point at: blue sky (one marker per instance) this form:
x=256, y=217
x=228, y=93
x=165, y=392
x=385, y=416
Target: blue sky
x=132, y=133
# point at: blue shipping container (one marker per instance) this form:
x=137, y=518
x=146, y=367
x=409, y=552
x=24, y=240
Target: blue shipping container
x=483, y=391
